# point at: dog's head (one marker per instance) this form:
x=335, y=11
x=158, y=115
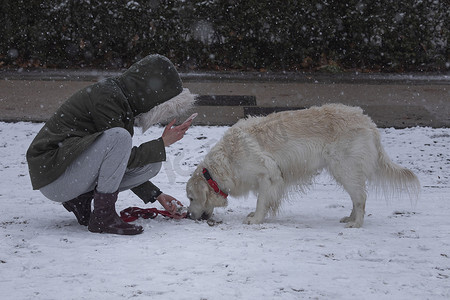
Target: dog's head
x=203, y=199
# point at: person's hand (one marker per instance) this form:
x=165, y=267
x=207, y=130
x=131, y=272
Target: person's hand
x=171, y=205
x=173, y=134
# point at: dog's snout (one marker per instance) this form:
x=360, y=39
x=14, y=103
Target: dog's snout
x=205, y=216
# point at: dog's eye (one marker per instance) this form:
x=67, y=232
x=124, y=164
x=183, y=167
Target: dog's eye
x=190, y=199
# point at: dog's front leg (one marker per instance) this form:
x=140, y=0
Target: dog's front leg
x=257, y=217
x=268, y=198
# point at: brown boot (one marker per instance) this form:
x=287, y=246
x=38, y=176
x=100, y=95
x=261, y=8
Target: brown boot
x=104, y=217
x=81, y=207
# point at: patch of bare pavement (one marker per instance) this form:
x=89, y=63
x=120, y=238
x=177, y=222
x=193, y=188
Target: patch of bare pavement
x=392, y=100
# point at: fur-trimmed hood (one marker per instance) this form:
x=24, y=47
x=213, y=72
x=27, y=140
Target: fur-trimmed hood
x=166, y=111
x=154, y=91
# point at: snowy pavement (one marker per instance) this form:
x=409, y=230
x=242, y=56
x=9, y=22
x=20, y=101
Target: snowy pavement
x=402, y=251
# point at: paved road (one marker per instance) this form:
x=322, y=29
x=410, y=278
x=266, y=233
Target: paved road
x=391, y=100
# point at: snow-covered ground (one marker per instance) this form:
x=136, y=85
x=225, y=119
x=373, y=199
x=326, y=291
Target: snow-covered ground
x=402, y=252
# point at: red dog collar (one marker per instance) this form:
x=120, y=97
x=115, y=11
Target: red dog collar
x=212, y=183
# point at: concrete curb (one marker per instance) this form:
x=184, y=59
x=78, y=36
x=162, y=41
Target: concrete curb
x=298, y=77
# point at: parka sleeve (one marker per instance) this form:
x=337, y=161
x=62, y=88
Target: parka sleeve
x=147, y=191
x=147, y=153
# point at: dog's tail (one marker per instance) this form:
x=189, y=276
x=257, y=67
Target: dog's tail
x=393, y=179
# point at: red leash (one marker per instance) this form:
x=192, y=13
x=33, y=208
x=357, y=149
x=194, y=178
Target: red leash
x=131, y=214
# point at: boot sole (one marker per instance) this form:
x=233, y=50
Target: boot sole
x=83, y=221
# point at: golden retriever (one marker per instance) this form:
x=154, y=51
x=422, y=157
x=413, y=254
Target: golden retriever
x=267, y=155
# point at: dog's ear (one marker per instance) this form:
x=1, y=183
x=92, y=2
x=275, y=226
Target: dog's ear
x=198, y=189
x=222, y=202
x=214, y=199
x=203, y=191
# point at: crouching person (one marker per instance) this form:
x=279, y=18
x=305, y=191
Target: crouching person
x=84, y=152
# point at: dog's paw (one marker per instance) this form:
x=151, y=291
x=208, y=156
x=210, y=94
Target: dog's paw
x=251, y=219
x=353, y=225
x=347, y=220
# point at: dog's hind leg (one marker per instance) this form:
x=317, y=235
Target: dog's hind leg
x=356, y=218
x=350, y=163
x=353, y=181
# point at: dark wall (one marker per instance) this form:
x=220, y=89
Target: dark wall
x=384, y=35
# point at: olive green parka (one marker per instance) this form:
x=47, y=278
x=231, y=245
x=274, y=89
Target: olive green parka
x=113, y=102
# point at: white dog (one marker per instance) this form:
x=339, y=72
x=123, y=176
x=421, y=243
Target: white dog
x=268, y=155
